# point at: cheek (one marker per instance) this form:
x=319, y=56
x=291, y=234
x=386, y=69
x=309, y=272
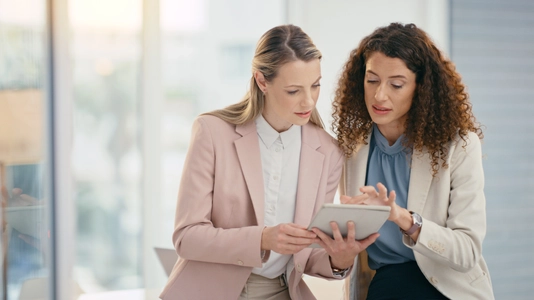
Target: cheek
x=282, y=103
x=407, y=103
x=369, y=107
x=369, y=93
x=368, y=97
x=315, y=95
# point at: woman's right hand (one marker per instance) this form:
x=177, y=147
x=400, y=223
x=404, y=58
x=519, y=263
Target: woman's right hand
x=287, y=238
x=371, y=196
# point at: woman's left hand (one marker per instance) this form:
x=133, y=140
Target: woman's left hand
x=342, y=250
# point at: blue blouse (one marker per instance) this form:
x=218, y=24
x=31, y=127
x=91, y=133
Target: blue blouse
x=389, y=165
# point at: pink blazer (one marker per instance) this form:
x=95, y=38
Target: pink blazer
x=219, y=214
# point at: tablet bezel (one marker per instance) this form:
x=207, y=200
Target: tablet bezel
x=367, y=219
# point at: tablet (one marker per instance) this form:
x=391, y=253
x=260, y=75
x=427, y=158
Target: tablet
x=28, y=220
x=367, y=219
x=167, y=257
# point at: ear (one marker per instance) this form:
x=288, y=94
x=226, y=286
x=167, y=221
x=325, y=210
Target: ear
x=260, y=81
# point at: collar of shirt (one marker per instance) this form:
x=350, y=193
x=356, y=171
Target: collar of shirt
x=382, y=143
x=268, y=135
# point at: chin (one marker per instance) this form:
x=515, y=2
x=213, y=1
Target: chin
x=302, y=122
x=380, y=121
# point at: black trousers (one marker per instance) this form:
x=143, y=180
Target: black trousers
x=401, y=281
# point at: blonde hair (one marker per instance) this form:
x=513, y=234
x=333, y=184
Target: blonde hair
x=279, y=45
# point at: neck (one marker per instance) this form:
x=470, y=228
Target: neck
x=391, y=133
x=278, y=126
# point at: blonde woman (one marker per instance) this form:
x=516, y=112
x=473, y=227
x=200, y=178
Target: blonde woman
x=255, y=174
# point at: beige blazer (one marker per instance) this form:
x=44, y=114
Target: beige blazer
x=452, y=204
x=220, y=210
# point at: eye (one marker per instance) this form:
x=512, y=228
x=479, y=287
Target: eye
x=292, y=92
x=316, y=85
x=397, y=86
x=372, y=81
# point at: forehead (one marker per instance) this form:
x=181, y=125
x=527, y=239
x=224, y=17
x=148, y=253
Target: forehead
x=383, y=65
x=299, y=72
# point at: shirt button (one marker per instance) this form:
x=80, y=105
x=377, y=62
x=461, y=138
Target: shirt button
x=239, y=262
x=275, y=177
x=433, y=280
x=277, y=149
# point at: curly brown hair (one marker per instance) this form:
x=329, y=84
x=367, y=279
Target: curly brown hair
x=440, y=109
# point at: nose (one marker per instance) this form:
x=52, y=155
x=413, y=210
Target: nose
x=308, y=99
x=380, y=93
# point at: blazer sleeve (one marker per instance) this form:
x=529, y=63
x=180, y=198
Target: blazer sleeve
x=195, y=237
x=458, y=244
x=318, y=264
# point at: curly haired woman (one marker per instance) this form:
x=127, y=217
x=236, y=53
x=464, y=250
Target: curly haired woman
x=404, y=120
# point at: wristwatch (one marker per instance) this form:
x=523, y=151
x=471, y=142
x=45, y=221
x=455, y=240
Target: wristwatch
x=417, y=222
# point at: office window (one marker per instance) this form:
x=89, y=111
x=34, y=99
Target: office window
x=106, y=160
x=25, y=235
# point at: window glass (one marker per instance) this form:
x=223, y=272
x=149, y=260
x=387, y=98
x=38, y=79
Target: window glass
x=25, y=233
x=105, y=49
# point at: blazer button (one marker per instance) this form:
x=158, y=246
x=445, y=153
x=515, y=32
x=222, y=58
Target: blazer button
x=239, y=262
x=299, y=268
x=434, y=280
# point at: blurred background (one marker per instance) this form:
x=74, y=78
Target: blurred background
x=97, y=98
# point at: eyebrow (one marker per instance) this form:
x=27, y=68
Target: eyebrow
x=394, y=76
x=297, y=85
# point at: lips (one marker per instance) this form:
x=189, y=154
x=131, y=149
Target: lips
x=304, y=114
x=380, y=110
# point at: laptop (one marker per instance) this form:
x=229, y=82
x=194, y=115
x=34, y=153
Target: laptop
x=167, y=258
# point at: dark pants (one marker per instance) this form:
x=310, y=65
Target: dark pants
x=401, y=281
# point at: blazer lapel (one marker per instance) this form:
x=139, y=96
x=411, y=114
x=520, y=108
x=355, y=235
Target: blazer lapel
x=248, y=152
x=420, y=180
x=310, y=171
x=356, y=170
